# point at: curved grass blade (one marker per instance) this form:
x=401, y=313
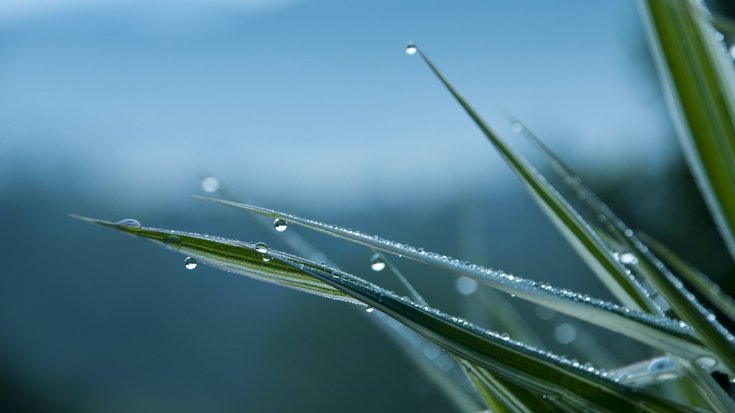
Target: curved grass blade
x=230, y=255
x=623, y=241
x=703, y=284
x=656, y=331
x=539, y=371
x=438, y=370
x=530, y=368
x=574, y=228
x=649, y=266
x=699, y=82
x=494, y=392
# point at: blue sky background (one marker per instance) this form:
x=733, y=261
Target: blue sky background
x=297, y=97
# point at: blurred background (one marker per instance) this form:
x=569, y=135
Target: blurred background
x=118, y=109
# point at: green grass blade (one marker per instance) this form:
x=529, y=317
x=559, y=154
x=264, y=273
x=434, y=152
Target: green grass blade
x=720, y=341
x=230, y=255
x=515, y=362
x=651, y=268
x=703, y=284
x=574, y=228
x=700, y=84
x=657, y=331
x=621, y=238
x=411, y=344
x=538, y=371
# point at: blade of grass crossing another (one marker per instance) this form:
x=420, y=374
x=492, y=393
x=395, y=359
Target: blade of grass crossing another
x=657, y=331
x=535, y=370
x=574, y=228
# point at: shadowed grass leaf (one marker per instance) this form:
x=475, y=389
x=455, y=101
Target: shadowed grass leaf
x=699, y=80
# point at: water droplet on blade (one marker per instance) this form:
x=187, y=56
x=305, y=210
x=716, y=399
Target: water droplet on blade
x=370, y=309
x=190, y=263
x=411, y=49
x=627, y=258
x=376, y=263
x=517, y=127
x=210, y=184
x=280, y=225
x=261, y=247
x=128, y=223
x=707, y=362
x=731, y=49
x=266, y=258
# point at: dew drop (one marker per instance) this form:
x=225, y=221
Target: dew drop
x=369, y=309
x=661, y=365
x=280, y=225
x=261, y=247
x=411, y=49
x=377, y=263
x=711, y=317
x=128, y=223
x=190, y=263
x=732, y=51
x=266, y=258
x=210, y=184
x=517, y=127
x=707, y=362
x=172, y=239
x=565, y=333
x=465, y=285
x=626, y=258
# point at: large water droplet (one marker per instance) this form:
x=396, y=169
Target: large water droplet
x=466, y=285
x=190, y=263
x=128, y=223
x=369, y=309
x=661, y=365
x=411, y=48
x=377, y=263
x=707, y=362
x=210, y=184
x=626, y=257
x=565, y=333
x=261, y=247
x=280, y=225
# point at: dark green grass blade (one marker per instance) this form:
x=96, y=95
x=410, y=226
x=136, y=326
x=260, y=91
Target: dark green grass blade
x=537, y=371
x=232, y=256
x=700, y=84
x=657, y=331
x=649, y=266
x=576, y=230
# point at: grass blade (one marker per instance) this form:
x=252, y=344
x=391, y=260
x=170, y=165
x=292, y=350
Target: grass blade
x=656, y=331
x=541, y=372
x=651, y=268
x=574, y=228
x=229, y=255
x=699, y=81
